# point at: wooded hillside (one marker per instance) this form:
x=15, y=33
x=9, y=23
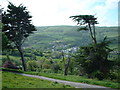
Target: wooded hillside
x=65, y=37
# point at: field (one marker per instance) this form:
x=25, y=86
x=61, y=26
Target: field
x=11, y=80
x=65, y=37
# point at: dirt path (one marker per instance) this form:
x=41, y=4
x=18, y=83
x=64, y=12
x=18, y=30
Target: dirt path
x=74, y=84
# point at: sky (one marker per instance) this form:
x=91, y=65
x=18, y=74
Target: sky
x=57, y=12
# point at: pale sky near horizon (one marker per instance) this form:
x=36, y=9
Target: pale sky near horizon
x=57, y=12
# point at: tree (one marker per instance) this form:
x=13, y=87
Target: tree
x=95, y=61
x=0, y=30
x=67, y=66
x=88, y=22
x=17, y=26
x=94, y=57
x=66, y=63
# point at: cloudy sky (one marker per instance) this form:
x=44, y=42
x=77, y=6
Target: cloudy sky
x=57, y=12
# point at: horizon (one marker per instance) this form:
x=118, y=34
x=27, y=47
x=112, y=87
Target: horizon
x=73, y=26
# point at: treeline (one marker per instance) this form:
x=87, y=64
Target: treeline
x=52, y=62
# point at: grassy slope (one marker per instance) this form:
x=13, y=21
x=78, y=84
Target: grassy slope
x=11, y=80
x=53, y=35
x=81, y=79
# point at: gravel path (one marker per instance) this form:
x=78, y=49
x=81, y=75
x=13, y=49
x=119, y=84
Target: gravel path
x=74, y=84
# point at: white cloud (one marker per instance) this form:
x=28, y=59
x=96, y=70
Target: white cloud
x=103, y=12
x=57, y=12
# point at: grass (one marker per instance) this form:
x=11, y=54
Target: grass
x=11, y=80
x=68, y=34
x=0, y=80
x=11, y=57
x=81, y=79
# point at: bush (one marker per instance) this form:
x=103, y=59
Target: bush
x=32, y=65
x=46, y=66
x=12, y=59
x=47, y=71
x=9, y=64
x=56, y=68
x=113, y=75
x=99, y=75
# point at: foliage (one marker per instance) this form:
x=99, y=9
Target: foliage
x=15, y=60
x=56, y=68
x=6, y=44
x=17, y=26
x=84, y=19
x=89, y=21
x=72, y=67
x=94, y=59
x=32, y=65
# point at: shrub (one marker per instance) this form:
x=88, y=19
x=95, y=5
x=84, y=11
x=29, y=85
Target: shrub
x=32, y=65
x=113, y=75
x=47, y=71
x=9, y=64
x=46, y=66
x=56, y=68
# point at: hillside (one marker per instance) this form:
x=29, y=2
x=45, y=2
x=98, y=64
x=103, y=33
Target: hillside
x=65, y=37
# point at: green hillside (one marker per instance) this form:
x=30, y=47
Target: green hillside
x=65, y=37
x=12, y=80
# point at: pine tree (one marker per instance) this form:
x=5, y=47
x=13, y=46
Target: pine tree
x=88, y=22
x=17, y=26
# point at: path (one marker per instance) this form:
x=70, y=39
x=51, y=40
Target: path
x=74, y=84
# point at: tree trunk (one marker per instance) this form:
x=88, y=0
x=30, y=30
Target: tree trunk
x=91, y=33
x=94, y=34
x=63, y=58
x=22, y=58
x=66, y=67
